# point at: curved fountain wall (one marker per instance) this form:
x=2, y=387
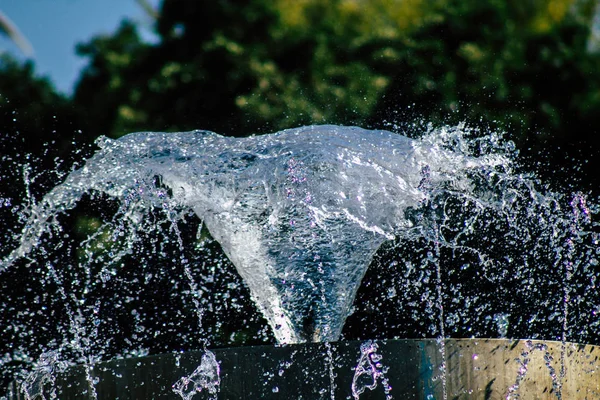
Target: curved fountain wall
x=401, y=369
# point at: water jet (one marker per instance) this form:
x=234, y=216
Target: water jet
x=301, y=214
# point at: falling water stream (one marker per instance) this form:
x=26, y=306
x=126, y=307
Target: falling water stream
x=301, y=214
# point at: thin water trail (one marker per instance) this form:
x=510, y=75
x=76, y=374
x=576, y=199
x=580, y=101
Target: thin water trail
x=441, y=321
x=330, y=363
x=435, y=262
x=50, y=363
x=580, y=214
x=206, y=377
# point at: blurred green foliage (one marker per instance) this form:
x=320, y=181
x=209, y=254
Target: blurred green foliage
x=260, y=66
x=257, y=66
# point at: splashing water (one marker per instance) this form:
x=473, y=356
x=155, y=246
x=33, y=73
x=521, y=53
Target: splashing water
x=523, y=362
x=205, y=377
x=44, y=373
x=301, y=215
x=369, y=371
